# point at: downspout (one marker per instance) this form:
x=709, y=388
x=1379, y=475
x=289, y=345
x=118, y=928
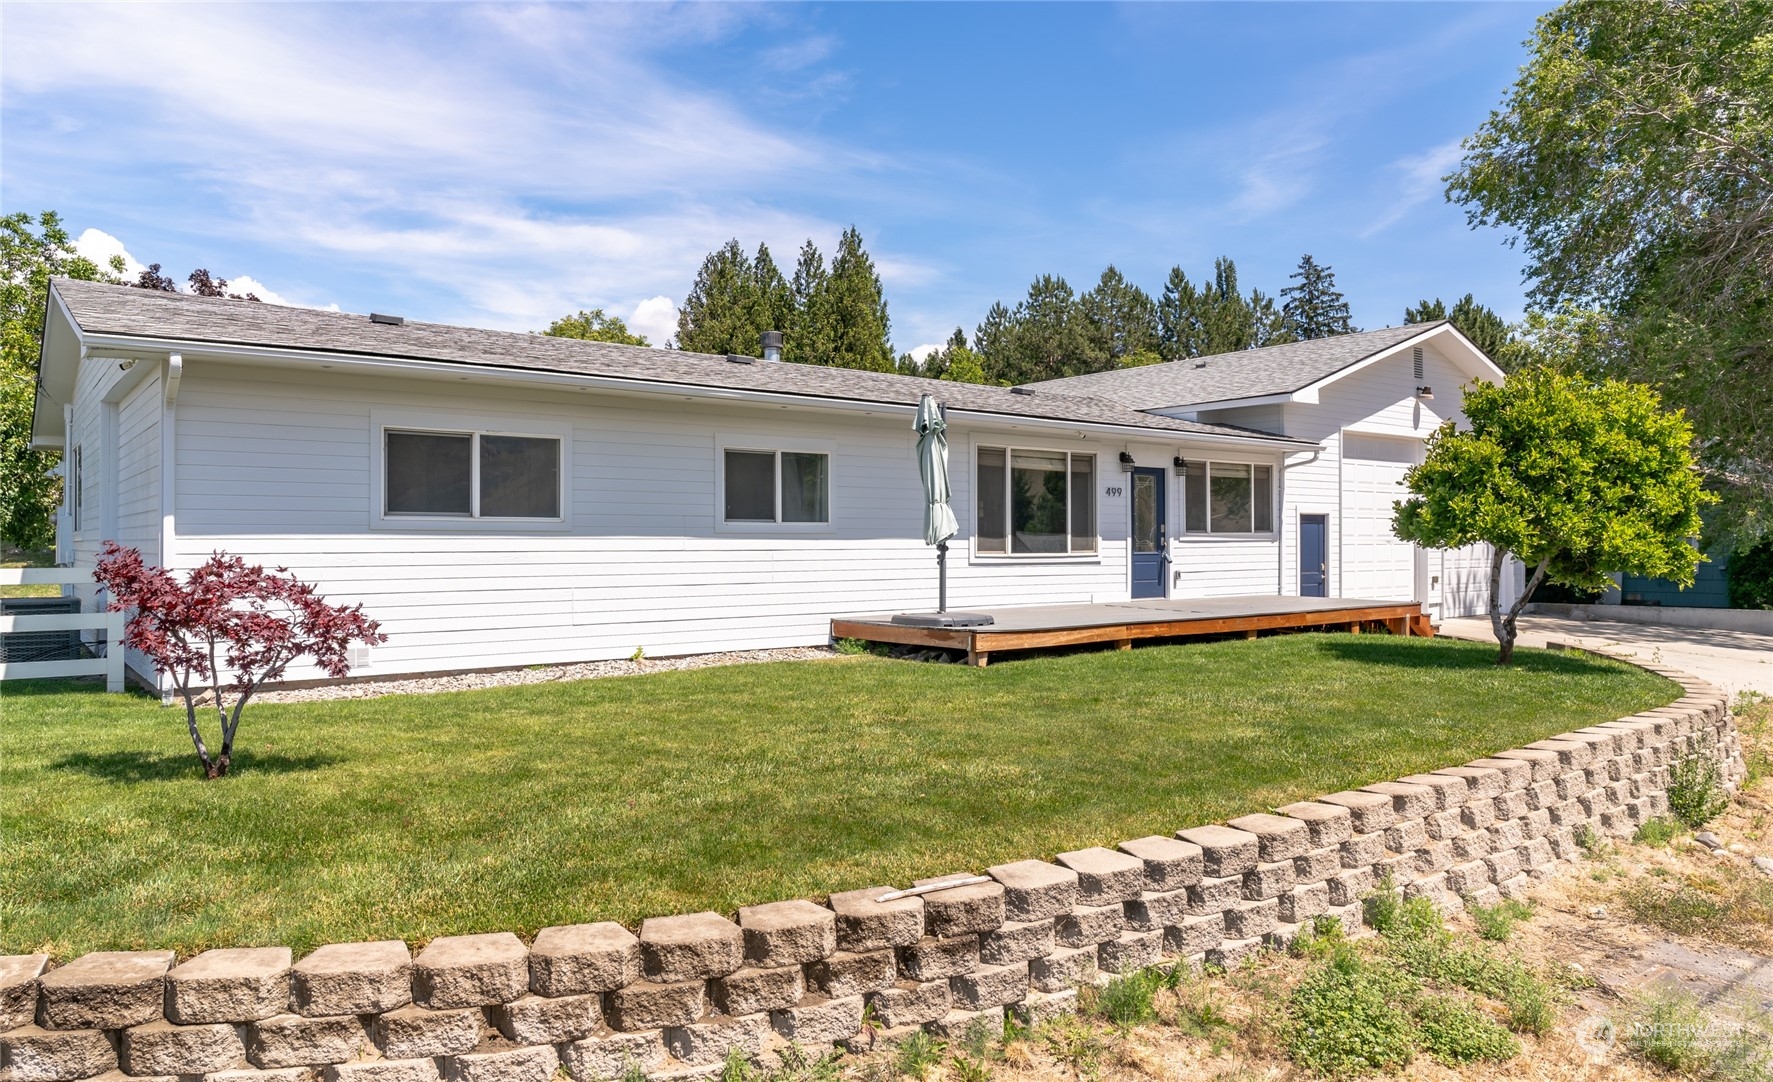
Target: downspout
x=1280, y=550
x=175, y=367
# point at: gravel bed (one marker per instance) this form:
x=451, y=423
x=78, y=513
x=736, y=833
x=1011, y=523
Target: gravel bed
x=545, y=674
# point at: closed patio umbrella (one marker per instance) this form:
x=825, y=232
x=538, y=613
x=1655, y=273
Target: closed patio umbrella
x=938, y=518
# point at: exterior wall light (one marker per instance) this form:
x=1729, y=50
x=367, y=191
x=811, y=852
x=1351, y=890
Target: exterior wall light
x=1425, y=393
x=1181, y=464
x=1126, y=462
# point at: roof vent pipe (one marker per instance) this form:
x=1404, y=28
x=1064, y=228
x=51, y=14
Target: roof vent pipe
x=772, y=345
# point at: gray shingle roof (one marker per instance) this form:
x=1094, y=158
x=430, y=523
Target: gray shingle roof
x=1250, y=373
x=179, y=318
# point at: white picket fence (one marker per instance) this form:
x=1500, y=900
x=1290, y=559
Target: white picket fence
x=111, y=623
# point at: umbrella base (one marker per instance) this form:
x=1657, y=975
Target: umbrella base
x=942, y=619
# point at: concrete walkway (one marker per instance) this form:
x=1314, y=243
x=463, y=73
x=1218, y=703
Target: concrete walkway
x=1733, y=660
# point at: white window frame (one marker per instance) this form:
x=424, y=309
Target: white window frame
x=452, y=423
x=1009, y=449
x=777, y=446
x=1209, y=533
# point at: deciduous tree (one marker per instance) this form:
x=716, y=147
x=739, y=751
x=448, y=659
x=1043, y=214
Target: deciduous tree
x=228, y=628
x=595, y=326
x=1575, y=478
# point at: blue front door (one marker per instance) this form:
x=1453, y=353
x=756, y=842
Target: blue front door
x=1150, y=533
x=1314, y=550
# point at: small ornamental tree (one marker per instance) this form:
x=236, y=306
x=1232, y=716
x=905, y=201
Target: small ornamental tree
x=229, y=627
x=1575, y=478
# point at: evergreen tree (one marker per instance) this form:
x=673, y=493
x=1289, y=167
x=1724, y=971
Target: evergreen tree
x=856, y=309
x=1485, y=328
x=1425, y=311
x=1044, y=337
x=1315, y=308
x=772, y=298
x=1268, y=324
x=719, y=313
x=1119, y=320
x=807, y=337
x=992, y=338
x=1178, y=332
x=1225, y=317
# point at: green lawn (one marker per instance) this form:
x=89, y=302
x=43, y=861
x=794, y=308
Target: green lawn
x=417, y=816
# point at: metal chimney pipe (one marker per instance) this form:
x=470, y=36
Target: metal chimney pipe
x=772, y=345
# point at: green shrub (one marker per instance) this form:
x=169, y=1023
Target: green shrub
x=1130, y=999
x=1749, y=576
x=1496, y=922
x=1383, y=908
x=1345, y=1019
x=1657, y=832
x=918, y=1054
x=1696, y=790
x=737, y=1068
x=1454, y=1032
x=851, y=646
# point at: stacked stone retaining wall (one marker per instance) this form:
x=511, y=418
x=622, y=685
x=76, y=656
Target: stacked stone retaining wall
x=599, y=1001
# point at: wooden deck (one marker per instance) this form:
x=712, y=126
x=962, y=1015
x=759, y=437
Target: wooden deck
x=1122, y=623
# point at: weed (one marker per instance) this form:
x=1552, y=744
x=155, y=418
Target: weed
x=1754, y=721
x=851, y=646
x=1657, y=832
x=1130, y=999
x=1202, y=1019
x=1072, y=1041
x=737, y=1067
x=639, y=654
x=1589, y=842
x=1496, y=922
x=918, y=1054
x=794, y=1065
x=967, y=1069
x=982, y=1041
x=1671, y=1028
x=1733, y=907
x=1383, y=908
x=1454, y=1031
x=633, y=1073
x=1345, y=1019
x=1696, y=793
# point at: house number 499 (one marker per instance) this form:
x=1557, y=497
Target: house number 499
x=1113, y=490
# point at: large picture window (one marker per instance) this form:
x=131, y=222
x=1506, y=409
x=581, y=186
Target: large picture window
x=1227, y=497
x=471, y=475
x=777, y=486
x=1035, y=502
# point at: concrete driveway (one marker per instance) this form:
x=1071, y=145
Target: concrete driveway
x=1733, y=660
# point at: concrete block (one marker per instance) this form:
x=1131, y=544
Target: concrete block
x=1170, y=863
x=414, y=1032
x=1362, y=850
x=1247, y=919
x=1042, y=1007
x=1105, y=876
x=646, y=1005
x=611, y=1056
x=533, y=1064
x=232, y=984
x=1327, y=824
x=1444, y=825
x=864, y=924
x=1536, y=824
x=958, y=1024
x=817, y=1021
x=1503, y=864
x=990, y=986
x=352, y=978
x=1433, y=887
x=1225, y=851
x=1571, y=785
x=1478, y=814
x=1408, y=800
x=1231, y=953
x=1303, y=902
x=1481, y=783
x=549, y=1019
x=1349, y=886
x=1536, y=853
x=689, y=947
x=1152, y=912
x=1130, y=951
x=579, y=959
x=1269, y=880
x=1467, y=879
x=1511, y=804
x=163, y=1047
x=1542, y=794
x=1572, y=755
x=1434, y=857
x=910, y=1003
x=1401, y=867
x=1370, y=812
x=1448, y=792
x=847, y=973
x=931, y=959
x=470, y=971
x=1088, y=925
x=1507, y=835
x=1472, y=845
x=1517, y=774
x=1016, y=941
x=752, y=990
x=1405, y=835
x=1515, y=886
x=1067, y=967
x=1278, y=837
x=383, y=1070
x=297, y=1040
x=712, y=1041
x=18, y=988
x=787, y=933
x=105, y=990
x=34, y=1054
x=1195, y=935
x=962, y=910
x=252, y=1074
x=1035, y=890
x=1317, y=865
x=1211, y=895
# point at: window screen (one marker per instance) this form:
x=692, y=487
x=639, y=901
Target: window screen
x=1038, y=512
x=751, y=486
x=992, y=519
x=519, y=477
x=1083, y=503
x=1231, y=498
x=429, y=473
x=1194, y=497
x=1263, y=487
x=805, y=487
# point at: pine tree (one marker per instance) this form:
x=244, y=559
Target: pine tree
x=1178, y=332
x=718, y=315
x=1485, y=328
x=1225, y=320
x=807, y=338
x=772, y=298
x=1315, y=308
x=1119, y=320
x=1425, y=311
x=1268, y=325
x=856, y=309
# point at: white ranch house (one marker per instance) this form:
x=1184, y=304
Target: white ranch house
x=501, y=499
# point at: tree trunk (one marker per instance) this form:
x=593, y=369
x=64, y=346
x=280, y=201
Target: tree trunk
x=1503, y=624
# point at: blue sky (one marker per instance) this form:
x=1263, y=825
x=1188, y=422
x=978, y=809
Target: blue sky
x=499, y=166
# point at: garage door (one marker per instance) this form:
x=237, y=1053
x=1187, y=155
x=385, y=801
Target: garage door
x=1375, y=564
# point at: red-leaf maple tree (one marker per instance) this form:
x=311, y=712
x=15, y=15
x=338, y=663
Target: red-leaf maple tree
x=229, y=627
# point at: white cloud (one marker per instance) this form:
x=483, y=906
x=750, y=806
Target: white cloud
x=918, y=353
x=100, y=246
x=656, y=318
x=1419, y=181
x=246, y=283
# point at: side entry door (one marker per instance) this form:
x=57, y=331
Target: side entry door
x=1150, y=534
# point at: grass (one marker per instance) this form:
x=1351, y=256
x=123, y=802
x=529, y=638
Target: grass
x=516, y=808
x=12, y=557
